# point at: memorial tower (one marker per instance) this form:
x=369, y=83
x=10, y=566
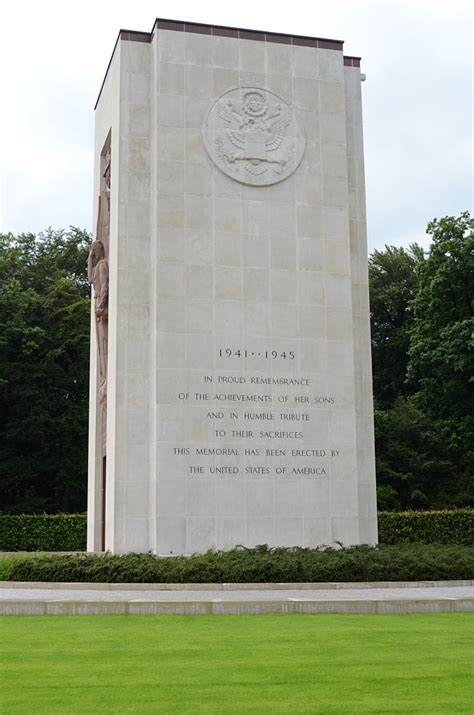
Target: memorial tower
x=231, y=390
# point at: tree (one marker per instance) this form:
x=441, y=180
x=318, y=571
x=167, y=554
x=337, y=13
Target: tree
x=422, y=325
x=441, y=354
x=393, y=285
x=44, y=355
x=421, y=458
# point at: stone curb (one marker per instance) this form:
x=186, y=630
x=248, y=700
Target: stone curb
x=217, y=607
x=80, y=586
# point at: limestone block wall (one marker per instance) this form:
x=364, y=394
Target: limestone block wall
x=240, y=396
x=360, y=305
x=124, y=112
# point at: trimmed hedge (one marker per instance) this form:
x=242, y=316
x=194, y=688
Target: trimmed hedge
x=43, y=532
x=407, y=562
x=67, y=532
x=450, y=526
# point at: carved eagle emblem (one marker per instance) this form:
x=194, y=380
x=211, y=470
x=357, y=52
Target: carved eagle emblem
x=254, y=128
x=249, y=137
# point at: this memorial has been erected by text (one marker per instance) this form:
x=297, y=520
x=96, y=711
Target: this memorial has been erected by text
x=231, y=394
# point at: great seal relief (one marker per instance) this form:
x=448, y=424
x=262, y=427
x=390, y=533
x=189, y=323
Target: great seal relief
x=254, y=136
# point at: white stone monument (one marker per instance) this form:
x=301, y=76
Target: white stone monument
x=231, y=393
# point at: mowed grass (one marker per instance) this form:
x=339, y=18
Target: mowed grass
x=237, y=664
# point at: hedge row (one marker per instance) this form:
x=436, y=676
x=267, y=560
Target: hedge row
x=67, y=532
x=406, y=562
x=453, y=526
x=43, y=532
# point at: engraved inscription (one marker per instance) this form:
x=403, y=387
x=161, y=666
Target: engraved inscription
x=254, y=136
x=259, y=426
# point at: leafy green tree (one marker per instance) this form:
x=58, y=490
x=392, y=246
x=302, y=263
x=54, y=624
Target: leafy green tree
x=423, y=366
x=44, y=355
x=421, y=458
x=441, y=365
x=393, y=285
x=387, y=498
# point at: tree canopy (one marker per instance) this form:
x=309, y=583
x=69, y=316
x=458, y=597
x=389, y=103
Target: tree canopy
x=441, y=354
x=422, y=341
x=44, y=356
x=393, y=286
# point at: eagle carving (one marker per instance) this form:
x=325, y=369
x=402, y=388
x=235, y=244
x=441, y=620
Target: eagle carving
x=254, y=136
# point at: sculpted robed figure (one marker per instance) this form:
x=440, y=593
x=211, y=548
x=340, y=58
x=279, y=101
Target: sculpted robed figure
x=98, y=275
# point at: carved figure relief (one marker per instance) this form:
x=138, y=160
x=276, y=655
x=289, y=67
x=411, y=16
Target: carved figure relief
x=106, y=172
x=98, y=275
x=254, y=136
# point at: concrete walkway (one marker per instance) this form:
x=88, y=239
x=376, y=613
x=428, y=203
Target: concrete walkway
x=86, y=599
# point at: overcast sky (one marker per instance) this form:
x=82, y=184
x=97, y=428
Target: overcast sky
x=417, y=100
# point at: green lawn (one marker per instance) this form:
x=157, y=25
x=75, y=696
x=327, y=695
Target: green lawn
x=237, y=664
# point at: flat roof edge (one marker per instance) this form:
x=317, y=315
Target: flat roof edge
x=244, y=33
x=351, y=61
x=223, y=31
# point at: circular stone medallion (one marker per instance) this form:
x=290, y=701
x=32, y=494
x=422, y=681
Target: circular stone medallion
x=254, y=136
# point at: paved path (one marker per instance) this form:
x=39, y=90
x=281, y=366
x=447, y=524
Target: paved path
x=37, y=598
x=127, y=594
